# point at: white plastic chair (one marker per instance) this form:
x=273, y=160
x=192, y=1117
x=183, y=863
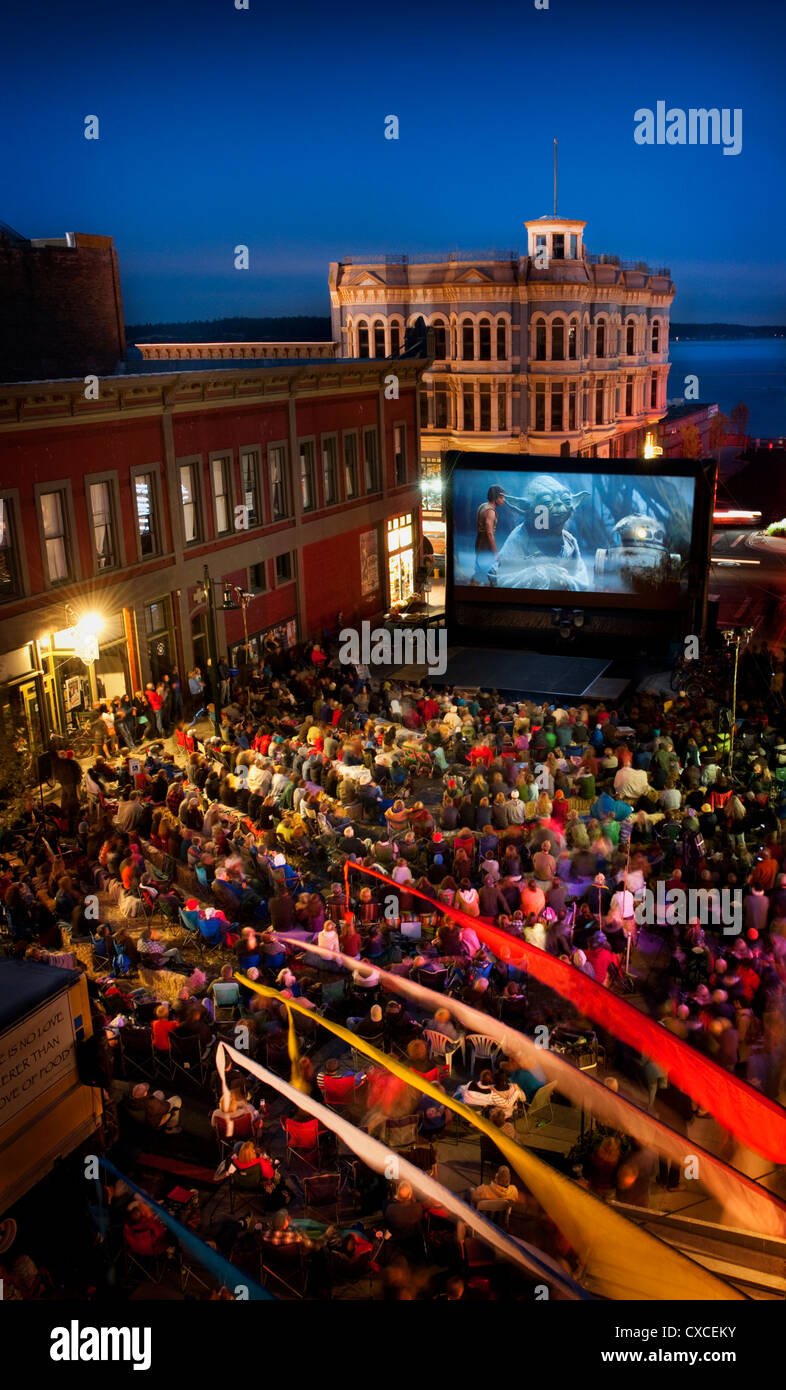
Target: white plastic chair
x=487, y=1049
x=440, y=1045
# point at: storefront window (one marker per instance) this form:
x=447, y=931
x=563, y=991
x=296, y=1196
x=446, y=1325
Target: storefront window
x=401, y=558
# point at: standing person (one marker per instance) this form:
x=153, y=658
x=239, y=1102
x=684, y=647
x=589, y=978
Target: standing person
x=122, y=710
x=155, y=700
x=486, y=552
x=165, y=691
x=196, y=690
x=176, y=686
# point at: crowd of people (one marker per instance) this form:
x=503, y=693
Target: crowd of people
x=554, y=824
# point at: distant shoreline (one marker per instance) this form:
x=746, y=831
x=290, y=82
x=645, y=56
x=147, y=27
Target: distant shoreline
x=723, y=332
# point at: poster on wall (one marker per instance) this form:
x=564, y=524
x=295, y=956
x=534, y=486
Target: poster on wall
x=72, y=692
x=369, y=564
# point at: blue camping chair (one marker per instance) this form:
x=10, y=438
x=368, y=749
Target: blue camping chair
x=189, y=922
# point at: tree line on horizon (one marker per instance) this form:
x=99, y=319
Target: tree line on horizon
x=291, y=328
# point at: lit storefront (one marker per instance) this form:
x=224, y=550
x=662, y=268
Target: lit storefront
x=433, y=515
x=401, y=558
x=22, y=697
x=80, y=665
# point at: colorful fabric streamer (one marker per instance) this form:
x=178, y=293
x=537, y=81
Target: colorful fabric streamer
x=383, y=1160
x=224, y=1273
x=624, y=1261
x=756, y=1121
x=744, y=1204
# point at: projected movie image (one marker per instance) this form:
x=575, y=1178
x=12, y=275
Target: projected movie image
x=572, y=532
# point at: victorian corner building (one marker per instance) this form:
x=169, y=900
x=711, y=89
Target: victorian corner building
x=553, y=352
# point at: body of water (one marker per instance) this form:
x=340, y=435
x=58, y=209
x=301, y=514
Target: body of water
x=752, y=370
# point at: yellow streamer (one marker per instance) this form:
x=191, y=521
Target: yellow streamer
x=625, y=1262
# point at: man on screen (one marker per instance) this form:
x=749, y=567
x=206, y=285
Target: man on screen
x=486, y=553
x=541, y=553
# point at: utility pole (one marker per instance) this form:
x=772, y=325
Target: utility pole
x=214, y=680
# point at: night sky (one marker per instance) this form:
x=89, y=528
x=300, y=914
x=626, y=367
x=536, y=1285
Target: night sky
x=220, y=127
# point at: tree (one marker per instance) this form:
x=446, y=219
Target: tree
x=690, y=442
x=718, y=425
x=739, y=418
x=14, y=778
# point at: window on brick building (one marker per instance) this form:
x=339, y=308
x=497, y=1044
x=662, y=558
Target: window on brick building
x=330, y=471
x=572, y=406
x=440, y=408
x=558, y=341
x=257, y=577
x=502, y=407
x=600, y=340
x=189, y=501
x=599, y=402
x=630, y=345
x=573, y=338
x=102, y=524
x=249, y=485
x=556, y=405
x=280, y=507
x=469, y=407
x=9, y=556
x=351, y=465
x=468, y=340
x=222, y=496
x=502, y=341
x=371, y=459
x=654, y=390
x=308, y=485
x=284, y=568
x=629, y=395
x=146, y=505
x=440, y=340
x=56, y=543
x=558, y=246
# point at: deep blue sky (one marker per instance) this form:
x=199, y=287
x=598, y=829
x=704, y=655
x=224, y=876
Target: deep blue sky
x=221, y=127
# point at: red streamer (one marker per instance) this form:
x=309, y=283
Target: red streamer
x=751, y=1117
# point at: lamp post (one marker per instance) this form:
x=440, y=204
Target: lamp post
x=214, y=682
x=735, y=639
x=234, y=598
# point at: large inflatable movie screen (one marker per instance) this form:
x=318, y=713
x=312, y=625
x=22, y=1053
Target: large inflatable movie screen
x=572, y=532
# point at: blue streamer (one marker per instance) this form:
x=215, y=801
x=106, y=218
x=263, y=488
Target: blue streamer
x=224, y=1273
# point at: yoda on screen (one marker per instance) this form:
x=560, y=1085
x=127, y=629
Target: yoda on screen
x=541, y=553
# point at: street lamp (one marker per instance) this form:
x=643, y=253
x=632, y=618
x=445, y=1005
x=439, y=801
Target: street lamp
x=233, y=598
x=736, y=638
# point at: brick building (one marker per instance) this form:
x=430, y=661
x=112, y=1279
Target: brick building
x=297, y=483
x=61, y=311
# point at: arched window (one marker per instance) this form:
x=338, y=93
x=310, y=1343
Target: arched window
x=468, y=340
x=440, y=340
x=395, y=337
x=502, y=341
x=600, y=340
x=540, y=340
x=630, y=339
x=558, y=341
x=484, y=340
x=379, y=339
x=362, y=340
x=573, y=336
x=586, y=341
x=656, y=336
